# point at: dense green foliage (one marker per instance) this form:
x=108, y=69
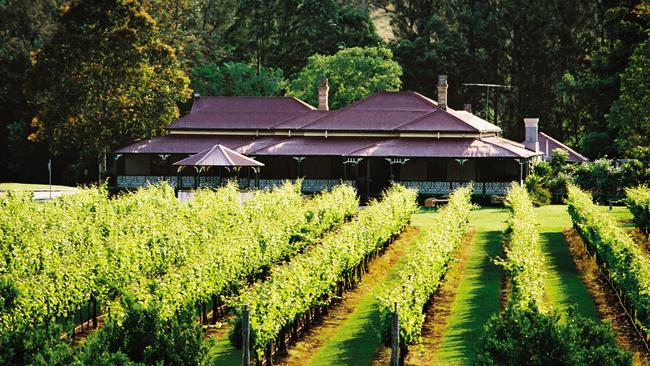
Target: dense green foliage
x=143, y=336
x=104, y=79
x=524, y=260
x=630, y=114
x=285, y=33
x=147, y=252
x=236, y=78
x=425, y=267
x=311, y=279
x=353, y=74
x=627, y=265
x=638, y=201
x=526, y=336
x=605, y=178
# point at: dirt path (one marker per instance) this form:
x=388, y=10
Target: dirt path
x=349, y=334
x=606, y=300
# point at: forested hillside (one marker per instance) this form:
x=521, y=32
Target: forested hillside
x=67, y=68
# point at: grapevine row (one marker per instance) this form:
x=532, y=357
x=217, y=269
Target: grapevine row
x=312, y=279
x=524, y=260
x=628, y=268
x=425, y=267
x=59, y=255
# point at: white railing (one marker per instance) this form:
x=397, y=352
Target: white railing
x=189, y=182
x=309, y=185
x=445, y=188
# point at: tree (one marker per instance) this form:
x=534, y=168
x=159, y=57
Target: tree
x=104, y=79
x=630, y=114
x=353, y=74
x=236, y=78
x=284, y=33
x=24, y=27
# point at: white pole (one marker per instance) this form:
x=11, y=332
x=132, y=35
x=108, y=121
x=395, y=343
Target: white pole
x=49, y=172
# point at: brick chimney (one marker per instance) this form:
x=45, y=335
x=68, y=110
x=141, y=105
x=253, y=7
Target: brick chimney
x=442, y=92
x=531, y=142
x=323, y=95
x=467, y=107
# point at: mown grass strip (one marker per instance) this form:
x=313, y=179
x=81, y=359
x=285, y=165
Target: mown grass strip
x=564, y=285
x=479, y=292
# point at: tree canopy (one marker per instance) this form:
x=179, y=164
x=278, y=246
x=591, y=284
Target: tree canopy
x=104, y=79
x=237, y=78
x=353, y=73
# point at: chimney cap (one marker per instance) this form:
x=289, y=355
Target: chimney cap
x=442, y=79
x=531, y=121
x=467, y=107
x=324, y=83
x=197, y=95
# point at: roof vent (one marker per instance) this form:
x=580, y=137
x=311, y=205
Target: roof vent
x=442, y=92
x=467, y=107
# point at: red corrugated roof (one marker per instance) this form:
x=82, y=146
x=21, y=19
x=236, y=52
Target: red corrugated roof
x=338, y=146
x=240, y=112
x=383, y=111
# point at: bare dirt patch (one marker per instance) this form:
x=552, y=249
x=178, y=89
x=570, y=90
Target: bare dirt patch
x=606, y=301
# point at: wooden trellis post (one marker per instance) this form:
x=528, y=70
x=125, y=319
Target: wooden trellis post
x=394, y=341
x=245, y=344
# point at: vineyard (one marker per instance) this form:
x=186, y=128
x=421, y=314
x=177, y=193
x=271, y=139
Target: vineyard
x=281, y=278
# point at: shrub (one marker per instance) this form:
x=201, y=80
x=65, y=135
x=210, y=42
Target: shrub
x=539, y=195
x=638, y=201
x=526, y=336
x=35, y=345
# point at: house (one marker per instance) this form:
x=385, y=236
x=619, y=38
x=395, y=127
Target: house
x=400, y=136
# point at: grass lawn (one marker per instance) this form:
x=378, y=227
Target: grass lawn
x=622, y=215
x=30, y=187
x=564, y=286
x=479, y=292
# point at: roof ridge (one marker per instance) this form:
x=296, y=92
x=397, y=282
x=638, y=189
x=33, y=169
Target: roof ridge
x=205, y=153
x=225, y=151
x=417, y=119
x=300, y=115
x=366, y=146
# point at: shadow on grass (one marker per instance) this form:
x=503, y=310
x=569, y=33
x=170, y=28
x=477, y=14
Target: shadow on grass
x=357, y=344
x=478, y=298
x=564, y=285
x=221, y=352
